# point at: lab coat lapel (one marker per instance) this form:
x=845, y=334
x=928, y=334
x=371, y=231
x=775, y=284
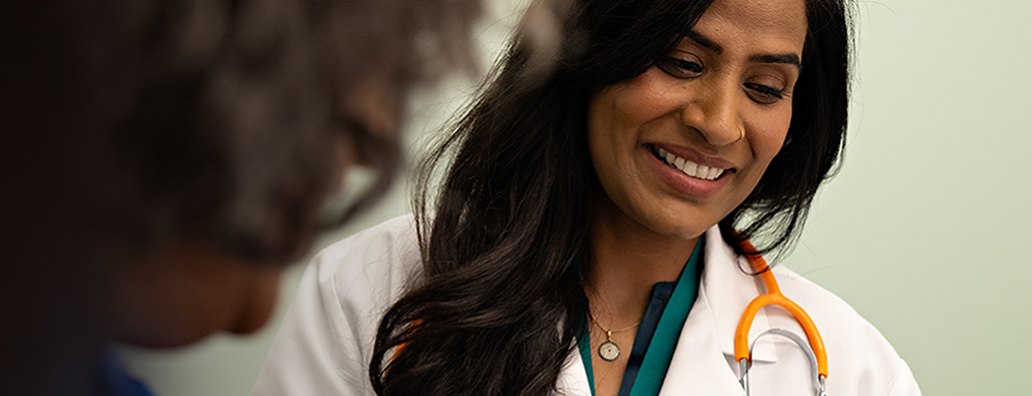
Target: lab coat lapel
x=705, y=349
x=729, y=290
x=698, y=365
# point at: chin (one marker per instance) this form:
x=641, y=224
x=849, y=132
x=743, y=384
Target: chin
x=684, y=225
x=251, y=323
x=684, y=233
x=182, y=330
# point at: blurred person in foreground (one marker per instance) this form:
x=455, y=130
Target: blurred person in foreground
x=162, y=162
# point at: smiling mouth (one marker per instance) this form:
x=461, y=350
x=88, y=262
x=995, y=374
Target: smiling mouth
x=693, y=170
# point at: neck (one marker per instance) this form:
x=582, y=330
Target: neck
x=628, y=259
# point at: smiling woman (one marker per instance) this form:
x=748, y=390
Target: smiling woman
x=590, y=234
x=679, y=146
x=716, y=104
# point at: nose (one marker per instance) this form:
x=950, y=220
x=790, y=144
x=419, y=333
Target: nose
x=713, y=111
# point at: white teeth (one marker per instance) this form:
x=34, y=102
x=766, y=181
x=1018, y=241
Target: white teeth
x=690, y=168
x=702, y=172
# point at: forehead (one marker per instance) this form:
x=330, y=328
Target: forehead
x=776, y=22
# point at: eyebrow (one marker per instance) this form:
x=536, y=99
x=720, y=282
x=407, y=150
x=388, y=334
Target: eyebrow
x=705, y=42
x=788, y=59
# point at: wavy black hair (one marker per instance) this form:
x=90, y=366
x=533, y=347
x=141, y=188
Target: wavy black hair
x=498, y=307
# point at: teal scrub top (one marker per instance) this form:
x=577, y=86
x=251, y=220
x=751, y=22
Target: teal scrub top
x=657, y=335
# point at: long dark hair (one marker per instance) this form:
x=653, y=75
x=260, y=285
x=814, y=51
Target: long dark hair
x=500, y=302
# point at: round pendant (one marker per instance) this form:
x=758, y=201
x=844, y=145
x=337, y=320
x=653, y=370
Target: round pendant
x=608, y=351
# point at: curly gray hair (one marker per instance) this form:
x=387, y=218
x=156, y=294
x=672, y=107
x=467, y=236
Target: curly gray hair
x=219, y=119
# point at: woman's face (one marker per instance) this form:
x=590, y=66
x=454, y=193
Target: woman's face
x=668, y=145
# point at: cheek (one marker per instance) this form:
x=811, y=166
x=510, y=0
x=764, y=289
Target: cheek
x=618, y=114
x=604, y=132
x=646, y=98
x=769, y=139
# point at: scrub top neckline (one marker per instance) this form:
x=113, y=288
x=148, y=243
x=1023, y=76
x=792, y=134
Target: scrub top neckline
x=656, y=338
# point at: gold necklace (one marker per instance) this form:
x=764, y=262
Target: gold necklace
x=609, y=351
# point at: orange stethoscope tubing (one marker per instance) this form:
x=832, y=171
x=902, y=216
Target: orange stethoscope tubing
x=774, y=297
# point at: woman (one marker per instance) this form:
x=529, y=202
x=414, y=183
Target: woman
x=163, y=162
x=583, y=240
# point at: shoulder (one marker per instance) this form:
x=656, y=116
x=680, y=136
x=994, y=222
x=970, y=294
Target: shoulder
x=860, y=360
x=819, y=302
x=368, y=271
x=858, y=353
x=386, y=254
x=830, y=313
x=389, y=242
x=733, y=288
x=325, y=341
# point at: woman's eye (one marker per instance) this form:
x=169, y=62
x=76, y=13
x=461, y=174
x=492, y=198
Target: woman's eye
x=679, y=68
x=764, y=94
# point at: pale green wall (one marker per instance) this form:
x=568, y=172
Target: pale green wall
x=921, y=231
x=924, y=231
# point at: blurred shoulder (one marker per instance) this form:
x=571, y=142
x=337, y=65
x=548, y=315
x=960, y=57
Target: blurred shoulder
x=394, y=235
x=326, y=339
x=376, y=263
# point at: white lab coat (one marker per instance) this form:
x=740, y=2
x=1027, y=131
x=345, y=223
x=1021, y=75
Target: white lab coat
x=324, y=344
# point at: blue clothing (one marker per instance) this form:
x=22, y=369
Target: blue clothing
x=114, y=381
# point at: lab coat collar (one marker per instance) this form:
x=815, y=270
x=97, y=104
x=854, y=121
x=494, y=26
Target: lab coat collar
x=704, y=359
x=728, y=289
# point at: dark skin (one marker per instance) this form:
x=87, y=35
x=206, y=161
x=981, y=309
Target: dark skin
x=182, y=294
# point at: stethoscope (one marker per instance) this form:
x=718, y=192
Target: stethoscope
x=814, y=349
